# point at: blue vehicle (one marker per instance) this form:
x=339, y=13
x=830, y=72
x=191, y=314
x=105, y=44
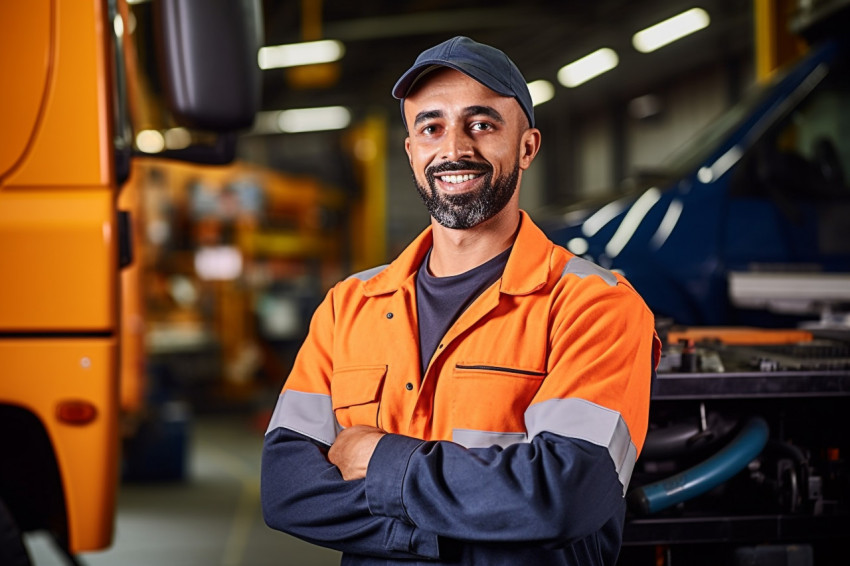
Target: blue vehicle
x=765, y=188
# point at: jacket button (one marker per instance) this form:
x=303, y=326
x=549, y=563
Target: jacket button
x=389, y=315
x=408, y=386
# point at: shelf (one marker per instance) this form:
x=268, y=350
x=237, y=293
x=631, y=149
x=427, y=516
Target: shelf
x=676, y=386
x=755, y=528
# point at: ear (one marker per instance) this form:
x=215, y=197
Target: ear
x=529, y=145
x=407, y=149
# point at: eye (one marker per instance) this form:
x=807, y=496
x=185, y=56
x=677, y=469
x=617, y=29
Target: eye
x=429, y=129
x=481, y=126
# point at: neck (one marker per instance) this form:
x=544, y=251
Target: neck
x=458, y=251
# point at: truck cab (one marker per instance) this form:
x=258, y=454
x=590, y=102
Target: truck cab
x=67, y=71
x=764, y=189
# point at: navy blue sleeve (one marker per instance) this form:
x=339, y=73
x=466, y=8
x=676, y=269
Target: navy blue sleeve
x=551, y=491
x=304, y=495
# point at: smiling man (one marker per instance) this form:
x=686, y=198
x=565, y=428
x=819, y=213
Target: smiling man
x=462, y=191
x=483, y=398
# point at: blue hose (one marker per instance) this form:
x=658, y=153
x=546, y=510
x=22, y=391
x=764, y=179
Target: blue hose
x=706, y=475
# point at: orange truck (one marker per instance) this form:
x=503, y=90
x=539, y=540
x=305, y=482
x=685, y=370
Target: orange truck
x=69, y=84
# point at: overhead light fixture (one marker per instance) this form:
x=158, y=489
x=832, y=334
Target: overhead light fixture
x=266, y=122
x=313, y=119
x=541, y=91
x=588, y=67
x=670, y=30
x=150, y=141
x=177, y=138
x=295, y=54
x=299, y=120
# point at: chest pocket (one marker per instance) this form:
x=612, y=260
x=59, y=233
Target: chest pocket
x=356, y=394
x=489, y=397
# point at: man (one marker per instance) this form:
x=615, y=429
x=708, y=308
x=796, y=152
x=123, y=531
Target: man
x=483, y=398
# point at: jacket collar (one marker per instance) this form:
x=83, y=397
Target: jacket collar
x=528, y=268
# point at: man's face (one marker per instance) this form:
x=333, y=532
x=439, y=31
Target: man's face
x=467, y=147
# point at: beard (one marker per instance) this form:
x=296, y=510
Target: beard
x=471, y=208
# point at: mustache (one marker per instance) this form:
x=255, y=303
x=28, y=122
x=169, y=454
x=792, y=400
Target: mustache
x=460, y=165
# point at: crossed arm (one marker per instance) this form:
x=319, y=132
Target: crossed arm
x=548, y=492
x=352, y=450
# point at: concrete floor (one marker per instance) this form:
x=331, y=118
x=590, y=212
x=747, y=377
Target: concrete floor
x=211, y=519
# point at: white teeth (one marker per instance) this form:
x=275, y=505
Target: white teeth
x=457, y=178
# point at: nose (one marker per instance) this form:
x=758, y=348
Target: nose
x=456, y=144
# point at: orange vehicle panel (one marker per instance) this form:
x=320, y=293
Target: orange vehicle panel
x=60, y=246
x=740, y=335
x=87, y=455
x=24, y=55
x=73, y=146
x=132, y=373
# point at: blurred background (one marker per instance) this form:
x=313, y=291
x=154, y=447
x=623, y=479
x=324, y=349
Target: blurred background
x=699, y=148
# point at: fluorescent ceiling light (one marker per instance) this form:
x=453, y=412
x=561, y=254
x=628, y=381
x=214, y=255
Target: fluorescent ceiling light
x=294, y=54
x=670, y=30
x=314, y=119
x=588, y=67
x=541, y=91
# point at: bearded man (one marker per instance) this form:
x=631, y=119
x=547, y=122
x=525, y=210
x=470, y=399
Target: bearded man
x=483, y=398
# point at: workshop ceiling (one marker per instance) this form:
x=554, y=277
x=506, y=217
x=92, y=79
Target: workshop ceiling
x=383, y=37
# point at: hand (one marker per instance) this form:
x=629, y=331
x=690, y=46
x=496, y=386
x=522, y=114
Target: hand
x=352, y=450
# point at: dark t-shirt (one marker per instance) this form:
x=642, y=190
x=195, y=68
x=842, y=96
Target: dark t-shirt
x=441, y=300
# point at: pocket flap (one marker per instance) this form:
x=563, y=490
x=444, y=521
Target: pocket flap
x=356, y=385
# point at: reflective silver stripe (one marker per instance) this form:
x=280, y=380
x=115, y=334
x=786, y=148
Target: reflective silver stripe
x=581, y=267
x=310, y=414
x=578, y=418
x=368, y=274
x=485, y=438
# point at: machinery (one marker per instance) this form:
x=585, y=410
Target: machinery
x=743, y=235
x=68, y=71
x=745, y=461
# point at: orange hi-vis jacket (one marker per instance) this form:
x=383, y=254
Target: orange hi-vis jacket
x=557, y=346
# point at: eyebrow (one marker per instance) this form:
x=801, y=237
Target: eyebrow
x=469, y=111
x=488, y=111
x=427, y=115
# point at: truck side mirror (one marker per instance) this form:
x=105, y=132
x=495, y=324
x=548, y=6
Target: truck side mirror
x=208, y=56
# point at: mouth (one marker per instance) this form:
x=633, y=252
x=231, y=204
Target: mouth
x=458, y=177
x=458, y=182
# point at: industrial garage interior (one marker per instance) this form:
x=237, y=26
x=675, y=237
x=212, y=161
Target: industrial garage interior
x=162, y=252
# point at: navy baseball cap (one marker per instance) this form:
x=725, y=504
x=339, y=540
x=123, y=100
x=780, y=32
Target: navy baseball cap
x=487, y=65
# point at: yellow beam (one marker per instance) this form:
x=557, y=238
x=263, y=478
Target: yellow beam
x=369, y=217
x=775, y=45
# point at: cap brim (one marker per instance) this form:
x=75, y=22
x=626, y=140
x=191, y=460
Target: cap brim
x=408, y=79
